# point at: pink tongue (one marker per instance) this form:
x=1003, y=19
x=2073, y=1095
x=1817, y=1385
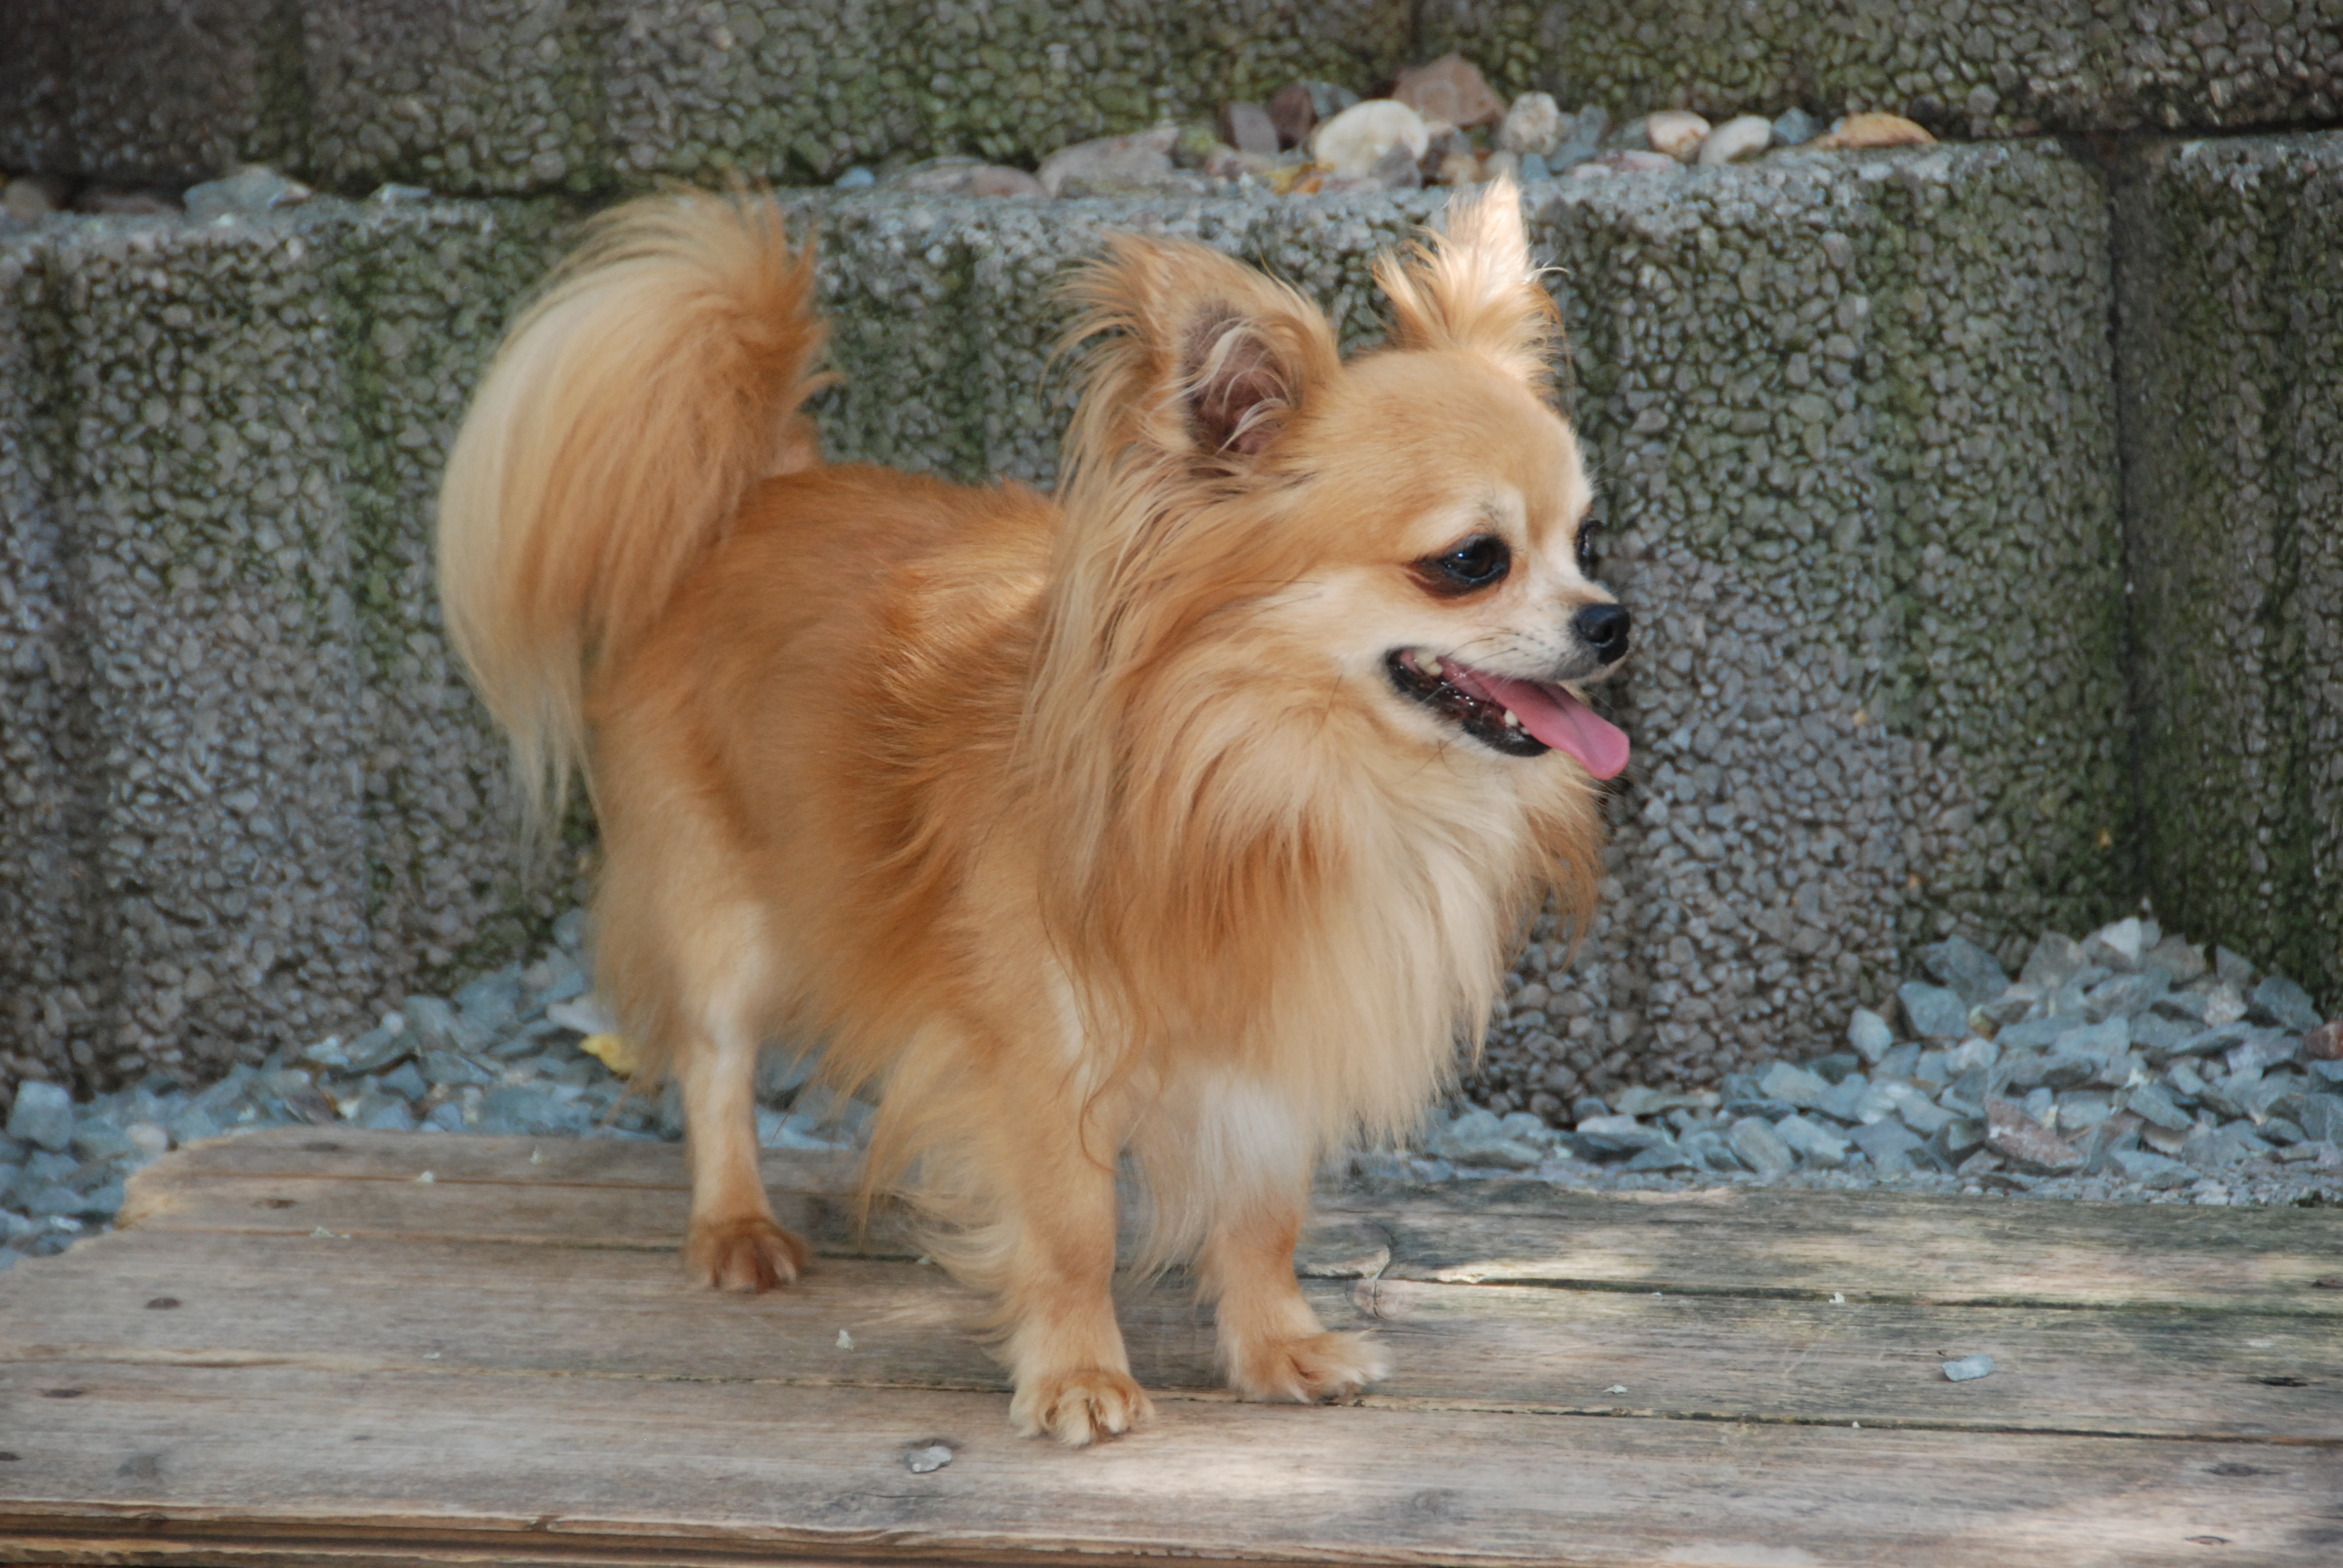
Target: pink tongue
x=1561, y=720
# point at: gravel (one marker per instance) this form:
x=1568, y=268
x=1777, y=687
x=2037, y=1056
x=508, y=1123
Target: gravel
x=2099, y=1073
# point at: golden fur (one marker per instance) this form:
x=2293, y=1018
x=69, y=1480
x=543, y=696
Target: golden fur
x=1082, y=829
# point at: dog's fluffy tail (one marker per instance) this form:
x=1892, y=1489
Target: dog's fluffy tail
x=657, y=379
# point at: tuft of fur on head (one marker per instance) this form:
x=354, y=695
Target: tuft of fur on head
x=654, y=380
x=1469, y=286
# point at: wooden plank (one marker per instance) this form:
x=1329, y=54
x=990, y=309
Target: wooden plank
x=261, y=1464
x=1880, y=1247
x=1875, y=1246
x=440, y=1309
x=347, y=1155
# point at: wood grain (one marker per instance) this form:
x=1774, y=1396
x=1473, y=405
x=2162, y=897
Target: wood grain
x=586, y=1470
x=437, y=1309
x=1882, y=1247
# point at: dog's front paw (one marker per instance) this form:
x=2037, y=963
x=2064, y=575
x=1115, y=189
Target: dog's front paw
x=1306, y=1370
x=752, y=1254
x=1078, y=1407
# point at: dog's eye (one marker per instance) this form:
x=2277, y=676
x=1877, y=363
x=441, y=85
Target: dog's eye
x=1477, y=562
x=1585, y=546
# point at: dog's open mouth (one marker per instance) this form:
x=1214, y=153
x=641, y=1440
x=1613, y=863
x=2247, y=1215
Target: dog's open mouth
x=1518, y=718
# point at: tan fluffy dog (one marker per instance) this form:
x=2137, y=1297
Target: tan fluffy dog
x=1180, y=818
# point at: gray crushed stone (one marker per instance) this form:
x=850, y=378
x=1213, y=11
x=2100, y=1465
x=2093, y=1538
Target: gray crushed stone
x=2128, y=1067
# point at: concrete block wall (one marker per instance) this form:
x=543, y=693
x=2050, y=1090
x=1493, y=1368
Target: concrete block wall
x=504, y=96
x=2233, y=402
x=248, y=797
x=1966, y=67
x=1823, y=393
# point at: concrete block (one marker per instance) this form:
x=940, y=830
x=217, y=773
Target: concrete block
x=480, y=96
x=1970, y=70
x=123, y=91
x=2232, y=337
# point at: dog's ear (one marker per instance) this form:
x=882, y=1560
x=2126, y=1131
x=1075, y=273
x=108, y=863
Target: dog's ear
x=1207, y=362
x=1470, y=286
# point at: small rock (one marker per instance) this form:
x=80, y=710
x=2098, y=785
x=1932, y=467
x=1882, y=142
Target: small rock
x=26, y=200
x=2234, y=969
x=1860, y=131
x=1619, y=1134
x=1800, y=1088
x=1354, y=142
x=2324, y=1043
x=926, y=1459
x=1739, y=138
x=1533, y=126
x=1818, y=1144
x=249, y=189
x=1451, y=89
x=2023, y=1142
x=1753, y=1140
x=2054, y=961
x=42, y=1115
x=1933, y=1011
x=2153, y=1103
x=1677, y=133
x=2153, y=1170
x=393, y=194
x=1964, y=966
x=2118, y=946
x=2285, y=1003
x=1967, y=1369
x=1292, y=114
x=113, y=203
x=1793, y=127
x=1662, y=1157
x=2265, y=1048
x=1534, y=167
x=1002, y=181
x=1888, y=1144
x=1112, y=164
x=1247, y=128
x=2182, y=960
x=1869, y=1034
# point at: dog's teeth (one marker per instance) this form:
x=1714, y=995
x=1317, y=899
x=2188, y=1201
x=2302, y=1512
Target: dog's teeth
x=1512, y=719
x=1430, y=664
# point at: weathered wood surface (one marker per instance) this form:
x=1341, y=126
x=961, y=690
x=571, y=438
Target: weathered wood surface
x=504, y=1363
x=453, y=1308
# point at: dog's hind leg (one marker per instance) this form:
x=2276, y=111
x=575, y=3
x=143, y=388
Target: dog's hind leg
x=734, y=1242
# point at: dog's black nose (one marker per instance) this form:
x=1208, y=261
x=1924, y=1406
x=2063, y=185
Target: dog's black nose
x=1603, y=627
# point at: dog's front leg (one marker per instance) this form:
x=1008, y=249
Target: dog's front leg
x=734, y=1242
x=1272, y=1344
x=1065, y=1350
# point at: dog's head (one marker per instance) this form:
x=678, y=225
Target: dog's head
x=1408, y=526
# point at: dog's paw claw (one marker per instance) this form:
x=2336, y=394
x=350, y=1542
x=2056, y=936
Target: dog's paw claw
x=1078, y=1407
x=745, y=1255
x=1307, y=1370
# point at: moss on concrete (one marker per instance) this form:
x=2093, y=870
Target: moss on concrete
x=2232, y=352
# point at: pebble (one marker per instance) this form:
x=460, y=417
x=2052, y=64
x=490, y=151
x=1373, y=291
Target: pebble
x=1677, y=133
x=1742, y=136
x=25, y=200
x=1113, y=165
x=250, y=189
x=857, y=178
x=1533, y=126
x=1933, y=1011
x=1967, y=1369
x=43, y=1115
x=1793, y=127
x=1293, y=114
x=1247, y=128
x=1349, y=145
x=1756, y=1144
x=1451, y=91
x=1861, y=131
